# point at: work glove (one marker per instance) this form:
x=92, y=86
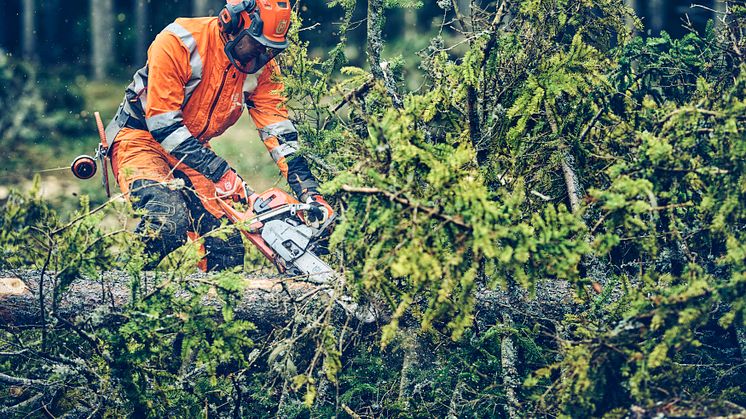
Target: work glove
x=231, y=186
x=320, y=211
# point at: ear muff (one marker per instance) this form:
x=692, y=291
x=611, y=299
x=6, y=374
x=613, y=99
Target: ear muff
x=227, y=21
x=229, y=18
x=257, y=25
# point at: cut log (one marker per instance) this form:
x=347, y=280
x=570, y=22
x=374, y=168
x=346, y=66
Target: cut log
x=267, y=302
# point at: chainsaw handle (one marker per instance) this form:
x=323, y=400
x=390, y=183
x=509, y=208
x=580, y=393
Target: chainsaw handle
x=318, y=233
x=234, y=215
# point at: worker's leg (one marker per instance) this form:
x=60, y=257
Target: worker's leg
x=222, y=253
x=165, y=222
x=143, y=173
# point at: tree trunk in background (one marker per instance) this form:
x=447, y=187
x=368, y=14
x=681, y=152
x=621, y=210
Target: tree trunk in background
x=28, y=29
x=50, y=31
x=719, y=12
x=633, y=5
x=656, y=14
x=200, y=7
x=410, y=25
x=374, y=47
x=141, y=10
x=102, y=40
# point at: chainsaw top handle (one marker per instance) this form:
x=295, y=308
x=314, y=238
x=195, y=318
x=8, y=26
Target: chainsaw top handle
x=285, y=204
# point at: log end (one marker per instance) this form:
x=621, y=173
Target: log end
x=12, y=286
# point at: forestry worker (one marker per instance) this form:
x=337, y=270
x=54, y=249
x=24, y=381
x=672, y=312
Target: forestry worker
x=199, y=76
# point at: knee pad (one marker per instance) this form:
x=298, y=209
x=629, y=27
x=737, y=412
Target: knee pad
x=164, y=225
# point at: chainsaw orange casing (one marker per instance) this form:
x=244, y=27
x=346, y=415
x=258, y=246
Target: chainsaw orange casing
x=270, y=199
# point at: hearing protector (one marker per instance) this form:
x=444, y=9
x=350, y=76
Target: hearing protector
x=230, y=21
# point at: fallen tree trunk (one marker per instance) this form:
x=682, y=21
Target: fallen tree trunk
x=266, y=302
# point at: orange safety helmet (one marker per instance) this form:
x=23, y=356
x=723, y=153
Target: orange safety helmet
x=257, y=26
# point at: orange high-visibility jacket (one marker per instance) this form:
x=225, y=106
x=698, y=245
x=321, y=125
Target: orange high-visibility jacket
x=188, y=92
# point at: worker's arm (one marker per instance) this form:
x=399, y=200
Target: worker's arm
x=279, y=134
x=169, y=71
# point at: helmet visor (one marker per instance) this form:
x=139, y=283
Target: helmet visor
x=247, y=54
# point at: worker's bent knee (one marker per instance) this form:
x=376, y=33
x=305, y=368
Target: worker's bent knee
x=165, y=221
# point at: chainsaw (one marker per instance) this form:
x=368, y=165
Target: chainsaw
x=274, y=223
x=273, y=220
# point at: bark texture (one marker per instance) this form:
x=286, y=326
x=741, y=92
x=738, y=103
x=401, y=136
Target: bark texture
x=28, y=29
x=379, y=69
x=102, y=39
x=267, y=302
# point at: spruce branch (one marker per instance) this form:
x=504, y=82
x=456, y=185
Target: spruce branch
x=433, y=212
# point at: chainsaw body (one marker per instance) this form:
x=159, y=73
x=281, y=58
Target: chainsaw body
x=274, y=224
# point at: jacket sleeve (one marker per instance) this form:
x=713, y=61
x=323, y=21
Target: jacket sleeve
x=169, y=71
x=279, y=134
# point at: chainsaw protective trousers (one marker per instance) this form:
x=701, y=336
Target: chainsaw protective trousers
x=171, y=214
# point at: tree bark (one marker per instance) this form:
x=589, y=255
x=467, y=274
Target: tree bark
x=571, y=181
x=267, y=302
x=141, y=23
x=102, y=39
x=632, y=4
x=509, y=355
x=200, y=8
x=508, y=362
x=412, y=346
x=28, y=30
x=374, y=47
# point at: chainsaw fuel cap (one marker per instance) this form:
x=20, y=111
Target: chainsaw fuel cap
x=83, y=167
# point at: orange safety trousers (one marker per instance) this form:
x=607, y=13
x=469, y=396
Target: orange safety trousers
x=136, y=155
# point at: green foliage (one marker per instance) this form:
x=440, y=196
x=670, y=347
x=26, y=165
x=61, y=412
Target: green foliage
x=34, y=112
x=141, y=358
x=165, y=337
x=434, y=211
